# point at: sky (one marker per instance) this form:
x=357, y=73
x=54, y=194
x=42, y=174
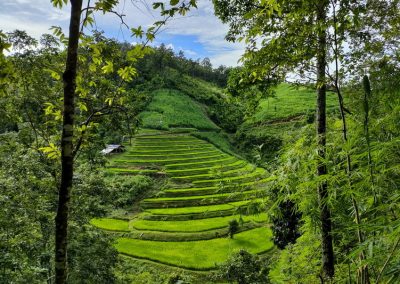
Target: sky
x=198, y=34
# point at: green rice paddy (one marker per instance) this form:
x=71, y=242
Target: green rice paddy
x=205, y=190
x=193, y=225
x=197, y=255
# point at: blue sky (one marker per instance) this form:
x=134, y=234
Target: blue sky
x=199, y=34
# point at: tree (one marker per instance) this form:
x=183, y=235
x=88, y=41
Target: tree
x=68, y=148
x=293, y=37
x=67, y=157
x=233, y=228
x=244, y=268
x=286, y=228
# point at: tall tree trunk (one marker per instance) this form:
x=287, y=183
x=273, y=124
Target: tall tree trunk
x=367, y=95
x=362, y=272
x=325, y=214
x=67, y=158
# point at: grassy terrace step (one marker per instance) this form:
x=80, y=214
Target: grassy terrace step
x=170, y=143
x=178, y=155
x=246, y=169
x=257, y=174
x=170, y=147
x=221, y=167
x=220, y=210
x=169, y=151
x=203, y=164
x=198, y=225
x=173, y=161
x=173, y=153
x=110, y=224
x=198, y=209
x=166, y=138
x=185, y=217
x=185, y=237
x=204, y=191
x=184, y=226
x=197, y=255
x=132, y=171
x=173, y=137
x=201, y=200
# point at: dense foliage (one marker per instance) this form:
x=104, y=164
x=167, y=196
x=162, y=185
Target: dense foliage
x=245, y=268
x=247, y=110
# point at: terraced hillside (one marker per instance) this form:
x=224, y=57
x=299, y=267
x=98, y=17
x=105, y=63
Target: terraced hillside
x=186, y=224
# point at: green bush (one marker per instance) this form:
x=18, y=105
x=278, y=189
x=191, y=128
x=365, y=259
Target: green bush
x=245, y=268
x=233, y=228
x=125, y=190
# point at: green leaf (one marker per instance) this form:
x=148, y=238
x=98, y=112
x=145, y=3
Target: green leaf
x=108, y=68
x=193, y=3
x=82, y=106
x=157, y=5
x=59, y=3
x=127, y=73
x=52, y=151
x=109, y=101
x=137, y=32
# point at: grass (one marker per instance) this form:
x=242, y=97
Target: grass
x=197, y=171
x=215, y=172
x=198, y=225
x=183, y=137
x=197, y=255
x=214, y=196
x=197, y=209
x=288, y=102
x=131, y=171
x=169, y=151
x=170, y=108
x=206, y=164
x=170, y=161
x=219, y=139
x=189, y=235
x=111, y=224
x=170, y=143
x=186, y=237
x=176, y=155
x=257, y=173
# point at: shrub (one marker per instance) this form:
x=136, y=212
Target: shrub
x=287, y=224
x=233, y=228
x=244, y=268
x=126, y=190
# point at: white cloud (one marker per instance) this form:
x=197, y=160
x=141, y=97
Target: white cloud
x=210, y=33
x=171, y=46
x=189, y=52
x=228, y=58
x=37, y=16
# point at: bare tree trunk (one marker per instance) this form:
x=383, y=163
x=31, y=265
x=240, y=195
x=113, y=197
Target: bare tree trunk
x=67, y=157
x=325, y=214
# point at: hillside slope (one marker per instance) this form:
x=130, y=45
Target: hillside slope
x=186, y=224
x=291, y=107
x=171, y=108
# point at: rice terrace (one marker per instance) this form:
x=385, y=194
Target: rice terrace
x=184, y=224
x=199, y=142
